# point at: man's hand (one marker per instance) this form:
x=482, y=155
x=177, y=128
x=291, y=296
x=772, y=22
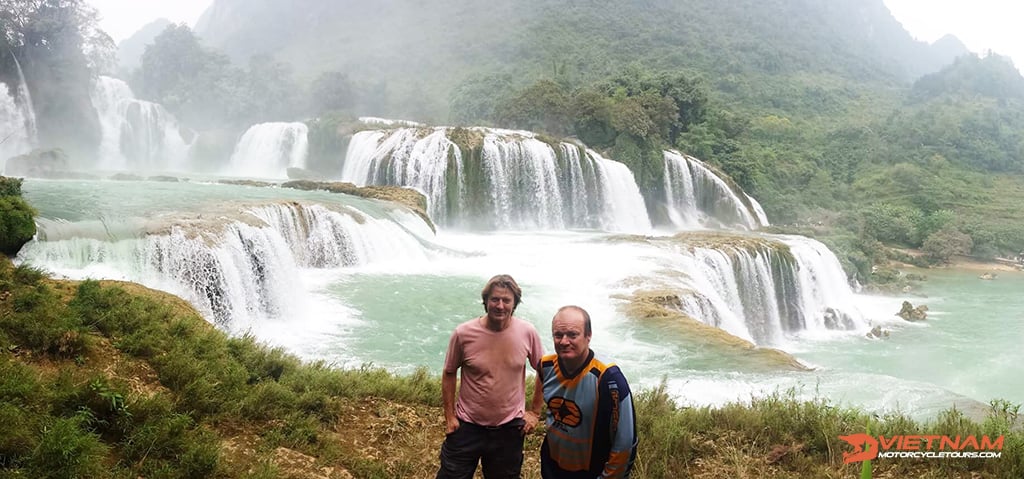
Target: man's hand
x=451, y=424
x=531, y=419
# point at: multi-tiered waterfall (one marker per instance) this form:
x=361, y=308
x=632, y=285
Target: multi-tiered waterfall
x=242, y=264
x=238, y=263
x=267, y=150
x=500, y=179
x=137, y=135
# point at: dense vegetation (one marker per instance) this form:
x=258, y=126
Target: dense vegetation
x=58, y=47
x=830, y=114
x=17, y=225
x=108, y=380
x=839, y=123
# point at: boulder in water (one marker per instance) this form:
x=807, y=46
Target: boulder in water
x=301, y=174
x=39, y=163
x=878, y=333
x=910, y=313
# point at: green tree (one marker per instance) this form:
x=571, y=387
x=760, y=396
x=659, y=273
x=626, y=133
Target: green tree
x=543, y=106
x=47, y=39
x=198, y=85
x=331, y=91
x=942, y=245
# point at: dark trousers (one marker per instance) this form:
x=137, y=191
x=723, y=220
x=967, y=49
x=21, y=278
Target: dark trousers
x=498, y=448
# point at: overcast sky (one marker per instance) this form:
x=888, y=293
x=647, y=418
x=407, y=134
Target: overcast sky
x=121, y=18
x=980, y=24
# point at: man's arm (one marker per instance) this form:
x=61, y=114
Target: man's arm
x=532, y=416
x=448, y=381
x=623, y=427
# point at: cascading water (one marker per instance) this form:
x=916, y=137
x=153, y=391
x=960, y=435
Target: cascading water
x=17, y=119
x=403, y=158
x=238, y=272
x=511, y=180
x=14, y=135
x=24, y=98
x=698, y=198
x=764, y=288
x=137, y=134
x=267, y=150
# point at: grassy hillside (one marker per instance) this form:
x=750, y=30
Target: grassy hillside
x=115, y=380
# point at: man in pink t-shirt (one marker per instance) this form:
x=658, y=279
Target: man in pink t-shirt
x=488, y=421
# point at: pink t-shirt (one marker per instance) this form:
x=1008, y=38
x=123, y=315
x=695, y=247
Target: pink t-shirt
x=493, y=367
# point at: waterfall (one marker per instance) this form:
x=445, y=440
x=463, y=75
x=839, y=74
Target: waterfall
x=623, y=203
x=234, y=271
x=522, y=178
x=14, y=134
x=510, y=179
x=699, y=198
x=267, y=150
x=137, y=134
x=404, y=158
x=765, y=289
x=23, y=96
x=17, y=119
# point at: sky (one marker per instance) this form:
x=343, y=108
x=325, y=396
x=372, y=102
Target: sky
x=121, y=18
x=981, y=24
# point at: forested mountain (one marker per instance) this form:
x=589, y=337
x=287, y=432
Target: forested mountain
x=827, y=112
x=431, y=47
x=130, y=50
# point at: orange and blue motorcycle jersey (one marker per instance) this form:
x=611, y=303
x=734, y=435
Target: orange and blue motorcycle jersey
x=591, y=421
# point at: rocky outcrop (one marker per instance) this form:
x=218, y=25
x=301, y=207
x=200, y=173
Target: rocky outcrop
x=39, y=163
x=664, y=307
x=407, y=197
x=910, y=313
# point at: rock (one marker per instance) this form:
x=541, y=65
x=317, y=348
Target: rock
x=878, y=333
x=39, y=163
x=166, y=179
x=910, y=313
x=301, y=174
x=126, y=177
x=987, y=276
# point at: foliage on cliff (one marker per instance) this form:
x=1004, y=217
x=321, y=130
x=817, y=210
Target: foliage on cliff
x=17, y=225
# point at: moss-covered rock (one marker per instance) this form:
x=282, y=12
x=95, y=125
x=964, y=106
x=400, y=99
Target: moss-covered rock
x=663, y=309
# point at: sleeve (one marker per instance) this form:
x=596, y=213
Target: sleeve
x=453, y=357
x=622, y=428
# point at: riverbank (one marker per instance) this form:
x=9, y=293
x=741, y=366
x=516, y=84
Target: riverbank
x=116, y=380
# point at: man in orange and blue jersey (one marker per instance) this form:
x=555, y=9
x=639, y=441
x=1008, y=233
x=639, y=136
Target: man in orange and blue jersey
x=591, y=423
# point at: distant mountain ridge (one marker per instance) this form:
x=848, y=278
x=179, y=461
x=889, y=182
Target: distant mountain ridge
x=130, y=50
x=443, y=41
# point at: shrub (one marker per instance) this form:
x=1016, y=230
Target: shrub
x=10, y=186
x=17, y=226
x=66, y=450
x=946, y=243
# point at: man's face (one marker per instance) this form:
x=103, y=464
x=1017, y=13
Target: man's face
x=500, y=304
x=567, y=330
